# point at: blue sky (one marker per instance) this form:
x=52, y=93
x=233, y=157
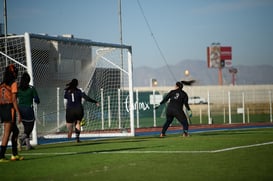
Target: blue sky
x=182, y=28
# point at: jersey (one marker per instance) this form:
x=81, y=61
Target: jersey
x=25, y=102
x=177, y=98
x=6, y=92
x=6, y=106
x=25, y=97
x=74, y=98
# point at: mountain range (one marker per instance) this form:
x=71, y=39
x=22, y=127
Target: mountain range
x=198, y=71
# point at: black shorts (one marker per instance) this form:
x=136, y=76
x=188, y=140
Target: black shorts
x=6, y=111
x=74, y=114
x=27, y=113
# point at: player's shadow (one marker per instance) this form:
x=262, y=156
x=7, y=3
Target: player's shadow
x=87, y=142
x=106, y=151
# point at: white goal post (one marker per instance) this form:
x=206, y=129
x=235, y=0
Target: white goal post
x=104, y=72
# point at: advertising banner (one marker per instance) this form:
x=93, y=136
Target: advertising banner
x=226, y=53
x=218, y=56
x=214, y=57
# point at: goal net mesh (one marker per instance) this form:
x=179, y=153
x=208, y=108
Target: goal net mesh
x=103, y=73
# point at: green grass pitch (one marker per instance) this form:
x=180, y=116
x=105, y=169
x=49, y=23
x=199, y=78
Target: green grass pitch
x=245, y=154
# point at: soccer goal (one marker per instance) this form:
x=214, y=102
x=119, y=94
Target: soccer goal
x=104, y=72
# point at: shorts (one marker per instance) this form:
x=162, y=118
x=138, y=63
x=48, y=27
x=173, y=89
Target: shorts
x=74, y=114
x=27, y=113
x=6, y=112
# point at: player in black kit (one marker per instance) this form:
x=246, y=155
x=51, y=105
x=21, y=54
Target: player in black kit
x=74, y=109
x=177, y=98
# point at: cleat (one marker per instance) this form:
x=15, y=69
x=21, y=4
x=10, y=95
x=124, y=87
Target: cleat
x=186, y=134
x=162, y=135
x=4, y=160
x=16, y=157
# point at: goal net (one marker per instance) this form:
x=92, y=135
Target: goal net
x=104, y=72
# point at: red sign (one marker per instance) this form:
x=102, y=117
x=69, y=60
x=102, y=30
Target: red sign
x=226, y=53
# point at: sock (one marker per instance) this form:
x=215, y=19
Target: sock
x=3, y=151
x=14, y=146
x=28, y=146
x=14, y=150
x=78, y=132
x=24, y=136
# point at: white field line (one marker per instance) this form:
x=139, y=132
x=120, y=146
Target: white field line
x=241, y=147
x=149, y=152
x=209, y=151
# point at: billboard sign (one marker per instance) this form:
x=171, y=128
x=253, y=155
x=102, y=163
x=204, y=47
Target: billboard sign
x=214, y=56
x=218, y=56
x=228, y=63
x=225, y=53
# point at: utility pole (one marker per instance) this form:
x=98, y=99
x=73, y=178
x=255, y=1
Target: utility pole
x=6, y=29
x=121, y=56
x=120, y=32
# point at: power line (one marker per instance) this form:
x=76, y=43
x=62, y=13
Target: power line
x=156, y=43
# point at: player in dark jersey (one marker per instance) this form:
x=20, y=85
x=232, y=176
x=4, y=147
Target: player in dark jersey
x=74, y=109
x=26, y=95
x=177, y=98
x=8, y=110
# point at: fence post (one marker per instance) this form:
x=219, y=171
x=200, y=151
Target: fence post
x=137, y=108
x=243, y=99
x=200, y=112
x=209, y=116
x=270, y=106
x=154, y=108
x=109, y=111
x=229, y=108
x=119, y=114
x=224, y=115
x=58, y=109
x=102, y=109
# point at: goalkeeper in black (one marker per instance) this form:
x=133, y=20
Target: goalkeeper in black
x=74, y=109
x=177, y=98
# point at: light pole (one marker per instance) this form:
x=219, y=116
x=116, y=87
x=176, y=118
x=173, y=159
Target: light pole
x=233, y=72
